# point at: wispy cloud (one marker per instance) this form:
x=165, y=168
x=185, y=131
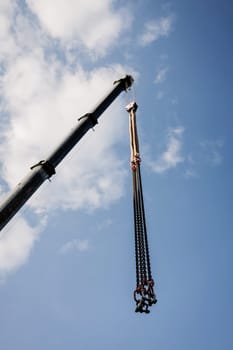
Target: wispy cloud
x=209, y=153
x=172, y=156
x=159, y=95
x=156, y=29
x=161, y=75
x=191, y=173
x=76, y=245
x=105, y=224
x=212, y=151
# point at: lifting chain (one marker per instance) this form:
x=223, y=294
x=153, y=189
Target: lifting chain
x=144, y=294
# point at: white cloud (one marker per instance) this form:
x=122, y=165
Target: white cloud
x=156, y=29
x=78, y=245
x=93, y=24
x=172, y=156
x=47, y=104
x=7, y=8
x=16, y=242
x=42, y=97
x=42, y=108
x=161, y=75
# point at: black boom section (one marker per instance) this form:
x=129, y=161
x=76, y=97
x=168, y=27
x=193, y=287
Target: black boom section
x=44, y=169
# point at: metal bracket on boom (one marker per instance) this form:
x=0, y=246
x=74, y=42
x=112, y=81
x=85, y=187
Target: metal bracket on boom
x=46, y=166
x=91, y=117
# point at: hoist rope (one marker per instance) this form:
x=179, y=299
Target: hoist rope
x=144, y=295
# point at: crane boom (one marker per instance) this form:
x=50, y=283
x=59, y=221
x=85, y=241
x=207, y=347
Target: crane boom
x=44, y=169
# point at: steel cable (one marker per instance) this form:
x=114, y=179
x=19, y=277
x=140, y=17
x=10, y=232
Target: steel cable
x=144, y=295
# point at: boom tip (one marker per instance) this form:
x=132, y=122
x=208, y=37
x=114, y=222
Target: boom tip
x=126, y=82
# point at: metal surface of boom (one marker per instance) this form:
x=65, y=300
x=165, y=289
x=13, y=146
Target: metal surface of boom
x=46, y=168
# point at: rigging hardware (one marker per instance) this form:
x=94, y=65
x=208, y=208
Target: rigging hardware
x=144, y=294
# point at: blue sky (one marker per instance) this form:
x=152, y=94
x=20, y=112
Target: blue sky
x=67, y=260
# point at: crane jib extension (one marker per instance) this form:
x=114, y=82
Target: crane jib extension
x=144, y=295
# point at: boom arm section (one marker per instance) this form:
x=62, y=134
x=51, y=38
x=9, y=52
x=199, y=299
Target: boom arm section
x=46, y=168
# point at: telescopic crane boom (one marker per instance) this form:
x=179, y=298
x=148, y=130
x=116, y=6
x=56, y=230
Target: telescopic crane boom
x=44, y=169
x=144, y=295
